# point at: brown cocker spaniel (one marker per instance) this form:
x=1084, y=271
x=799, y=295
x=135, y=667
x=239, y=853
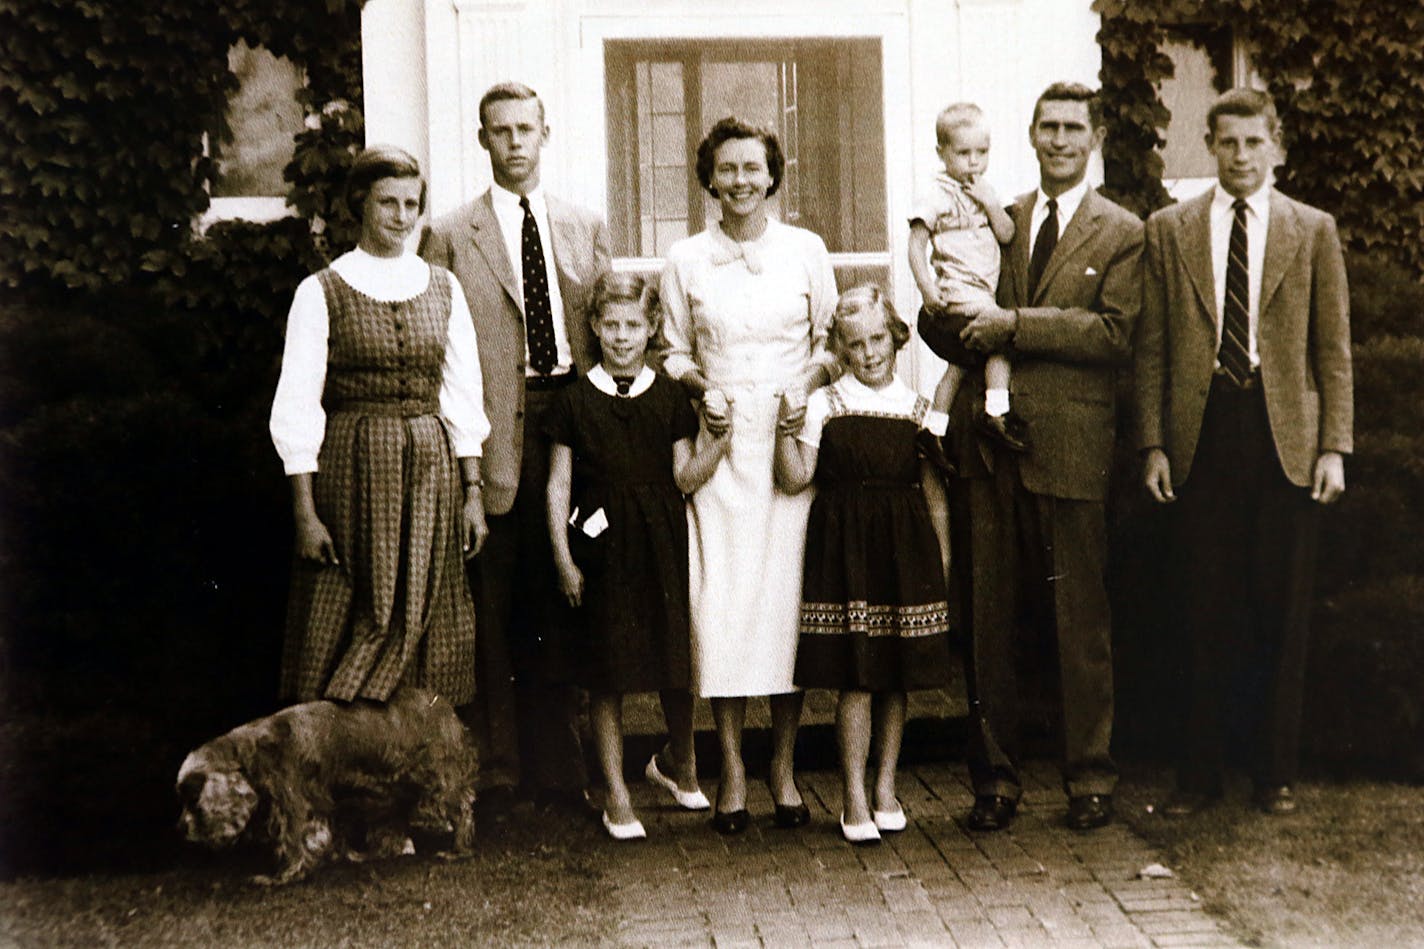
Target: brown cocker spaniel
x=324, y=780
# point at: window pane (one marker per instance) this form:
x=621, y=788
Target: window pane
x=667, y=87
x=823, y=98
x=263, y=117
x=669, y=233
x=1202, y=61
x=670, y=192
x=749, y=91
x=669, y=140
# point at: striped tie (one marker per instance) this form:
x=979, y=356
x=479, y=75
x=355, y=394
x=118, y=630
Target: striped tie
x=1235, y=352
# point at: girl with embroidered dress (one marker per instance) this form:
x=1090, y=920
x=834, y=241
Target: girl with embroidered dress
x=379, y=420
x=874, y=610
x=621, y=461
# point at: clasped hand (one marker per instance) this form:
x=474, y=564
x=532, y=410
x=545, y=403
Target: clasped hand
x=990, y=330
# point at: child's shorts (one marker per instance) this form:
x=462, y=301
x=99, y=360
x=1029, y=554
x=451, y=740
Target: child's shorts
x=940, y=330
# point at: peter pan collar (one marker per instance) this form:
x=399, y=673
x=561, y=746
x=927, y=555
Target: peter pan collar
x=604, y=383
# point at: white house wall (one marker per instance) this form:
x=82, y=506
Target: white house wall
x=428, y=61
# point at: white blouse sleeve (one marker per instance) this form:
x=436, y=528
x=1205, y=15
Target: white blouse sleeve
x=823, y=306
x=462, y=391
x=678, y=359
x=818, y=406
x=298, y=422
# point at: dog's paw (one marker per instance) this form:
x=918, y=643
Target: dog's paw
x=454, y=856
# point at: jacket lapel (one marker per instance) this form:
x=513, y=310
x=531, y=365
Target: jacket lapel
x=489, y=241
x=1022, y=247
x=1282, y=244
x=1196, y=253
x=1078, y=231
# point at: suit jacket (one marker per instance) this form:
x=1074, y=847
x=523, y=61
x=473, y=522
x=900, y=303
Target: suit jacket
x=1302, y=335
x=1072, y=335
x=469, y=243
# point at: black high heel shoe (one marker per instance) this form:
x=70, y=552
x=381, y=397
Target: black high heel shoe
x=791, y=816
x=730, y=823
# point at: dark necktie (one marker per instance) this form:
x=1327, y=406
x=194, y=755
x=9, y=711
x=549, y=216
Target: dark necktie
x=1043, y=245
x=624, y=384
x=1235, y=352
x=538, y=317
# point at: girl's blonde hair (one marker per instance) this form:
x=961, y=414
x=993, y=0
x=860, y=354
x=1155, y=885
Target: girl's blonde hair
x=867, y=296
x=615, y=287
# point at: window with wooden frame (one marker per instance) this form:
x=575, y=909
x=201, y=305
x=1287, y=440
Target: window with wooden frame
x=822, y=97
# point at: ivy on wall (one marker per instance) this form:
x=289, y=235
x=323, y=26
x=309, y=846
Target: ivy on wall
x=104, y=105
x=1347, y=77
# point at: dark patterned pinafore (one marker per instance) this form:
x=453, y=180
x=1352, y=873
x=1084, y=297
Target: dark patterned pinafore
x=874, y=614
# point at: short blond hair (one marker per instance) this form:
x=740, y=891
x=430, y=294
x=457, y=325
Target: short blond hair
x=863, y=297
x=956, y=116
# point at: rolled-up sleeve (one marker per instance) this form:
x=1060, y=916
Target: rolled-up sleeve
x=462, y=390
x=679, y=358
x=298, y=422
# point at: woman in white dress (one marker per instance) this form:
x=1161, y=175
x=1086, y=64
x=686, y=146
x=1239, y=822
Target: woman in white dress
x=748, y=304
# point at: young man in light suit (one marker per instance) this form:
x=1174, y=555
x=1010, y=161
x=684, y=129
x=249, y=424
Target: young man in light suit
x=527, y=262
x=1028, y=528
x=1244, y=411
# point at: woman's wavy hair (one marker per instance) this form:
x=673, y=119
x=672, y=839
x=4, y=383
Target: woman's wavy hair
x=732, y=128
x=373, y=164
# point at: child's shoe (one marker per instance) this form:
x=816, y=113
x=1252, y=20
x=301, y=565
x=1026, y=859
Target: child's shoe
x=1009, y=430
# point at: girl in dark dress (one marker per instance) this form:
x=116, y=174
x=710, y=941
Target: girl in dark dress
x=623, y=457
x=874, y=613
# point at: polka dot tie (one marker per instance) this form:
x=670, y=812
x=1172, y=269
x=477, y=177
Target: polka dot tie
x=538, y=317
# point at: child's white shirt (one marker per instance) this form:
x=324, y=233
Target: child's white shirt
x=964, y=252
x=896, y=400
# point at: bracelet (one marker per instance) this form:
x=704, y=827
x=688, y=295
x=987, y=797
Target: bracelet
x=475, y=485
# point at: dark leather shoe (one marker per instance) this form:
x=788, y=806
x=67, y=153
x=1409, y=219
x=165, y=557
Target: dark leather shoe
x=731, y=822
x=931, y=448
x=992, y=812
x=1009, y=430
x=791, y=815
x=1277, y=801
x=1089, y=811
x=1187, y=803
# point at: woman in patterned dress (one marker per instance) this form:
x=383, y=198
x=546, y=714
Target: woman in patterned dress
x=379, y=418
x=747, y=305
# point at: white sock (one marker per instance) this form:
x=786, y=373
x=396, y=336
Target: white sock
x=996, y=401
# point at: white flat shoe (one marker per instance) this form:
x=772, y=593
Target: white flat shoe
x=891, y=821
x=633, y=830
x=687, y=800
x=859, y=834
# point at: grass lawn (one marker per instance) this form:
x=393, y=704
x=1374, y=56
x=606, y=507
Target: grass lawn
x=534, y=881
x=1347, y=870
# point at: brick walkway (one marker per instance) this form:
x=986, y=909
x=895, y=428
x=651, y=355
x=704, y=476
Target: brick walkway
x=1037, y=884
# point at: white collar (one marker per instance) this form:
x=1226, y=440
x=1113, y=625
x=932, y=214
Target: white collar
x=853, y=387
x=1259, y=201
x=604, y=383
x=1068, y=202
x=948, y=180
x=506, y=199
